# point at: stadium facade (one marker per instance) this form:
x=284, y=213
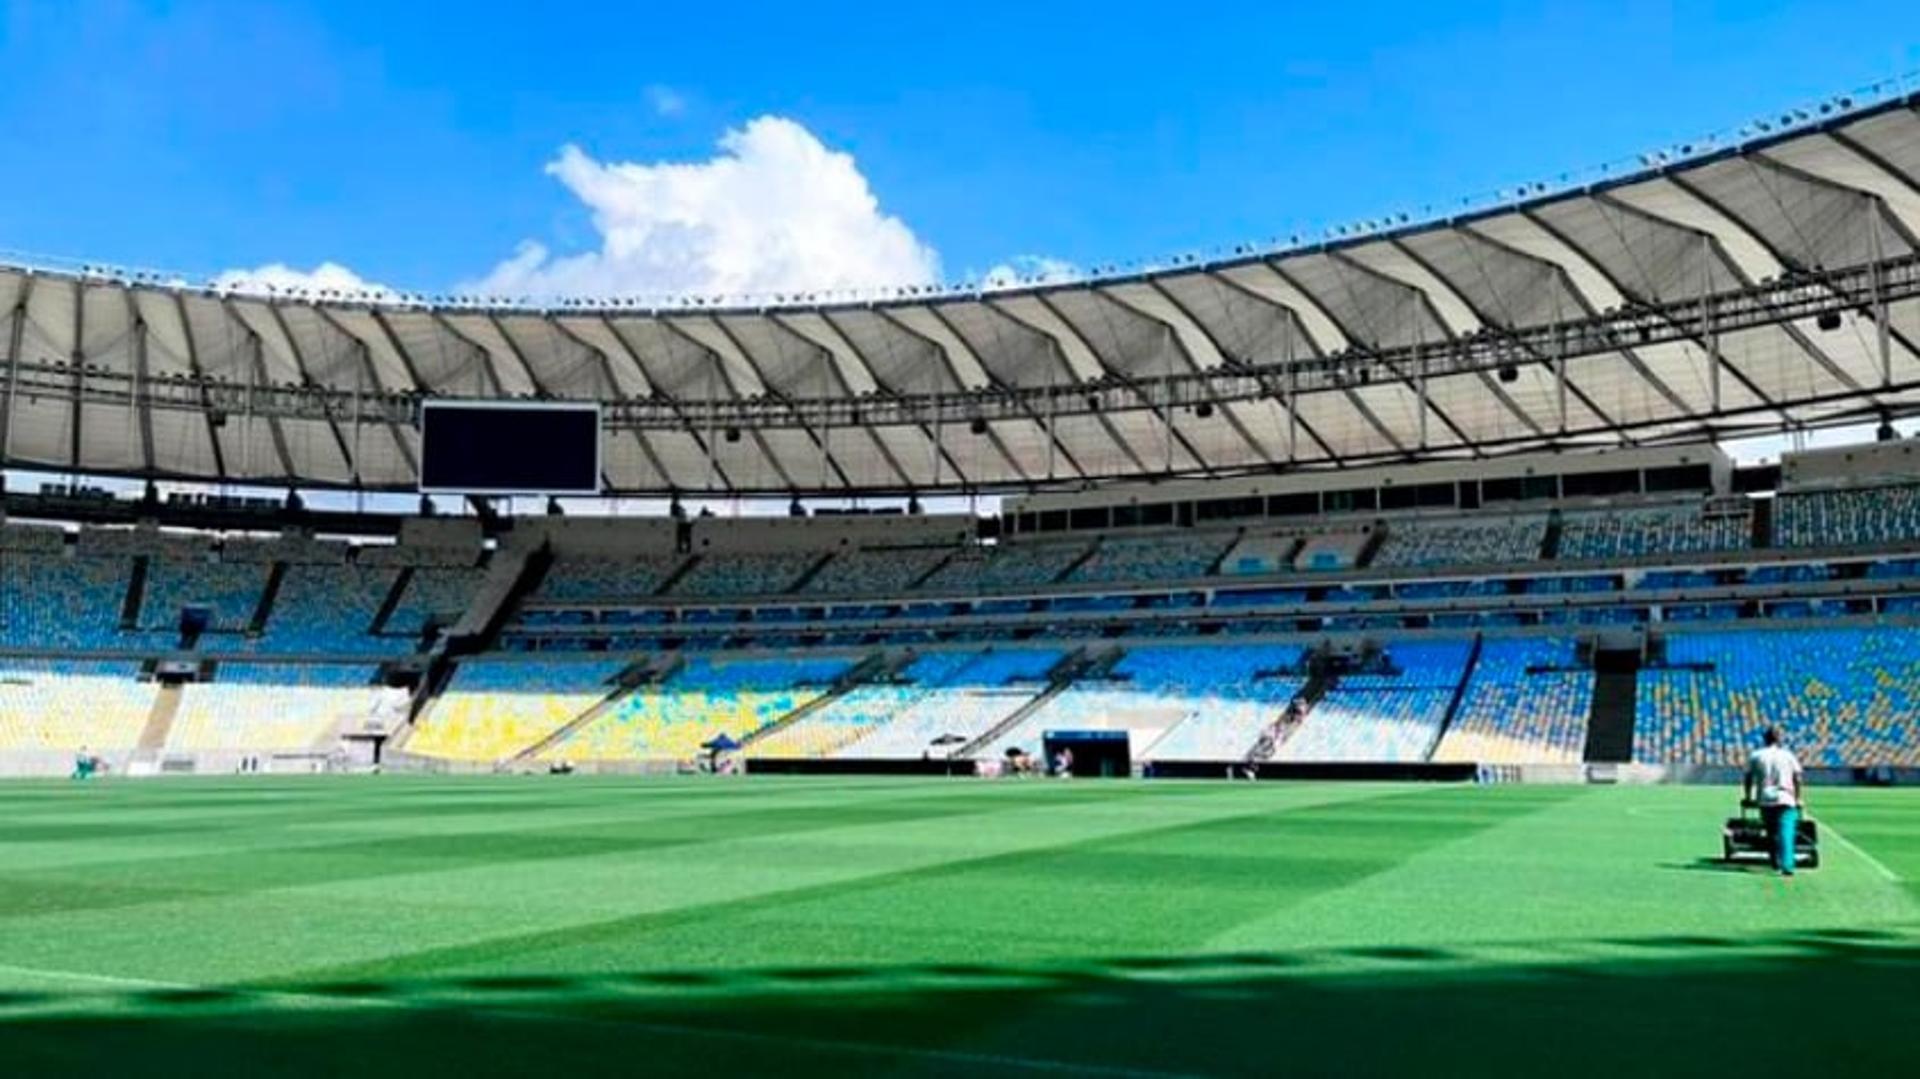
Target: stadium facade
x=1428, y=499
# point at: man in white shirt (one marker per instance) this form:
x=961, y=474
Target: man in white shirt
x=1773, y=782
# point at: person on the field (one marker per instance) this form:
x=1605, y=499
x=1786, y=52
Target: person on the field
x=1774, y=783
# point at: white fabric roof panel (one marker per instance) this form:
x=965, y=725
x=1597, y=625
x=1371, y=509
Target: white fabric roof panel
x=787, y=363
x=628, y=464
x=628, y=378
x=1831, y=198
x=675, y=364
x=568, y=369
x=1022, y=342
x=948, y=347
x=681, y=456
x=40, y=433
x=48, y=330
x=504, y=366
x=748, y=462
x=166, y=334
x=110, y=439
x=182, y=443
x=438, y=359
x=734, y=370
x=249, y=449
x=1370, y=309
x=387, y=365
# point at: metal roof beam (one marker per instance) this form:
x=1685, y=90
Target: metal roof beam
x=613, y=391
x=777, y=394
x=142, y=378
x=306, y=379
x=1286, y=395
x=1660, y=312
x=993, y=437
x=831, y=373
x=1874, y=158
x=1814, y=352
x=199, y=376
x=78, y=359
x=1165, y=415
x=1193, y=364
x=1426, y=305
x=1363, y=347
x=519, y=357
x=262, y=379
x=719, y=372
x=842, y=350
x=480, y=351
x=1106, y=370
x=16, y=336
x=1874, y=202
x=373, y=375
x=1499, y=326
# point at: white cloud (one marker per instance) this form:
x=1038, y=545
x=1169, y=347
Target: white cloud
x=774, y=212
x=666, y=101
x=1029, y=270
x=278, y=277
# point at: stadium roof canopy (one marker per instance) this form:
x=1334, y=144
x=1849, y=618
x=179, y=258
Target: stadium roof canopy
x=1765, y=286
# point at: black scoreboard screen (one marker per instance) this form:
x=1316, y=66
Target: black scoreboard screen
x=507, y=448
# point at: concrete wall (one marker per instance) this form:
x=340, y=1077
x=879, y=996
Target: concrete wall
x=773, y=534
x=1388, y=476
x=604, y=537
x=1844, y=465
x=447, y=533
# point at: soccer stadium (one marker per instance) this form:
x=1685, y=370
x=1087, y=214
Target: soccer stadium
x=1337, y=657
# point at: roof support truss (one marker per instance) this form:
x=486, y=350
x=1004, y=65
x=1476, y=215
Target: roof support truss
x=16, y=338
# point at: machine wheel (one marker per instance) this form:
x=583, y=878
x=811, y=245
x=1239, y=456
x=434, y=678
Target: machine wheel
x=1726, y=849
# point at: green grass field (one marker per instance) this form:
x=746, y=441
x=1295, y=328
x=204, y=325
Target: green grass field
x=544, y=925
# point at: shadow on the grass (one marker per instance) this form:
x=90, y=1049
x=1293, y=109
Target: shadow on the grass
x=1719, y=865
x=1667, y=1003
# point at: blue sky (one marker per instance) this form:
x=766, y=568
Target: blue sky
x=417, y=146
